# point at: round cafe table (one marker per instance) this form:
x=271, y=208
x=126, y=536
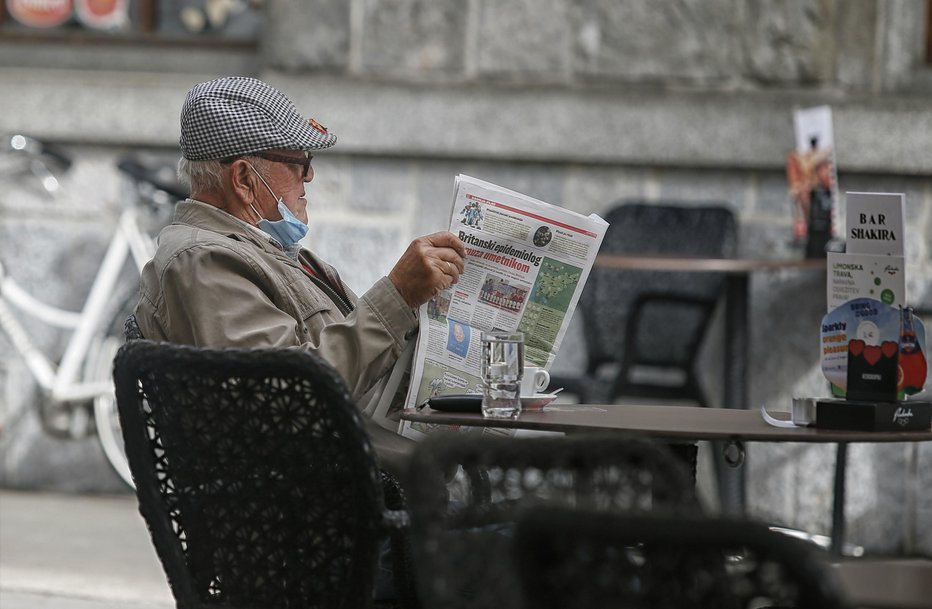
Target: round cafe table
x=678, y=423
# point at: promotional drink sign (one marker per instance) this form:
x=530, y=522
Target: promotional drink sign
x=873, y=351
x=853, y=276
x=874, y=223
x=872, y=344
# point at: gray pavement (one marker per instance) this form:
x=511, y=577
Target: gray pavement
x=62, y=551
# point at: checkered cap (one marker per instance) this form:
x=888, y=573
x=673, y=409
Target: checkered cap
x=235, y=116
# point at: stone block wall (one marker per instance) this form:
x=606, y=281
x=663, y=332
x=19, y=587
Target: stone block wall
x=581, y=103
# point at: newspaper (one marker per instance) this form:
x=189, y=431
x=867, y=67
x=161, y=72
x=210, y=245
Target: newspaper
x=525, y=267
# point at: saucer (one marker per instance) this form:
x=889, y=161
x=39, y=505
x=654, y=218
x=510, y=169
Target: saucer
x=537, y=401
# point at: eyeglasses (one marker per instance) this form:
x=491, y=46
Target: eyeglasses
x=304, y=161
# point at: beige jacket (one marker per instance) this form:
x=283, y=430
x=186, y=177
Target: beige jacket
x=216, y=281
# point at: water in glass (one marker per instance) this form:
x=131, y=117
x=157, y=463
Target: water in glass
x=502, y=367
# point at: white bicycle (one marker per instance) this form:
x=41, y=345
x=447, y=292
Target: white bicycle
x=80, y=384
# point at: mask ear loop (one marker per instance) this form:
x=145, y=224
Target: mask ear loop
x=259, y=175
x=269, y=188
x=255, y=211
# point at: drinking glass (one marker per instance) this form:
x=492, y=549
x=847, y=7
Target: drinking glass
x=502, y=367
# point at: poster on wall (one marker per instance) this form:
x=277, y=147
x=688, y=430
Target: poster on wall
x=40, y=13
x=93, y=14
x=813, y=185
x=103, y=14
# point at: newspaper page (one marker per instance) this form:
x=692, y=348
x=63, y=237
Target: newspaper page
x=525, y=267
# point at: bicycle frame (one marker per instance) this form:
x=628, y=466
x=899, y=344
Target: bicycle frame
x=62, y=383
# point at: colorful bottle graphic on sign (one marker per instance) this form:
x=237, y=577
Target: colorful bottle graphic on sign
x=873, y=351
x=912, y=361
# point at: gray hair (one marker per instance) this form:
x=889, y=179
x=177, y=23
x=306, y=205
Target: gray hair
x=201, y=176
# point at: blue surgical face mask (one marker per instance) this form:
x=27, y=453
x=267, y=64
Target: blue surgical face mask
x=287, y=231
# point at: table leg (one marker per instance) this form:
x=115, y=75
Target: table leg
x=838, y=500
x=731, y=479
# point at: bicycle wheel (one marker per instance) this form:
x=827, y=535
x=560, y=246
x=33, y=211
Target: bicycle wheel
x=106, y=416
x=100, y=367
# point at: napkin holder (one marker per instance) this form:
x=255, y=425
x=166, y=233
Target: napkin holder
x=873, y=355
x=857, y=415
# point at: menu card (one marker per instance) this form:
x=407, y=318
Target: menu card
x=874, y=223
x=872, y=265
x=853, y=276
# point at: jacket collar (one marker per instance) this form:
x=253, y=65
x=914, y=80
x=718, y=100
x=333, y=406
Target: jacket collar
x=206, y=216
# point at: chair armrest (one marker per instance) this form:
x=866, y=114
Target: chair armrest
x=131, y=329
x=395, y=516
x=396, y=522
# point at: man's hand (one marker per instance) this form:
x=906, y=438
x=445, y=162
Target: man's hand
x=429, y=265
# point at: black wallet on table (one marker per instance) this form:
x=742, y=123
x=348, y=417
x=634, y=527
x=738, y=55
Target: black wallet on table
x=469, y=402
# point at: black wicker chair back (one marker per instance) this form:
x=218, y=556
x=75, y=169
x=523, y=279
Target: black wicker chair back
x=131, y=329
x=569, y=559
x=646, y=328
x=254, y=475
x=466, y=491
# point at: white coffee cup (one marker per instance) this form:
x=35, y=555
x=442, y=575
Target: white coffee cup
x=534, y=380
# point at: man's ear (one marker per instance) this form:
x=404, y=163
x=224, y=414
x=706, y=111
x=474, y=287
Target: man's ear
x=242, y=181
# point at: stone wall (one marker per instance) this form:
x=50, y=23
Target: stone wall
x=581, y=103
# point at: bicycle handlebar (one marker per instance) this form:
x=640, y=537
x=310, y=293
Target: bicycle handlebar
x=156, y=174
x=35, y=148
x=141, y=172
x=60, y=156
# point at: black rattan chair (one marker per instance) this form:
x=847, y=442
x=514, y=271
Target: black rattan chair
x=569, y=559
x=465, y=492
x=131, y=329
x=643, y=330
x=254, y=475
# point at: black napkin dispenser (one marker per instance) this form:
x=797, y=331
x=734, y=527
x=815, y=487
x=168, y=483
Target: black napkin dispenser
x=855, y=415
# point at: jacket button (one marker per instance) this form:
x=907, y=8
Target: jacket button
x=410, y=334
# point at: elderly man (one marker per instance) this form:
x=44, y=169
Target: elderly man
x=229, y=270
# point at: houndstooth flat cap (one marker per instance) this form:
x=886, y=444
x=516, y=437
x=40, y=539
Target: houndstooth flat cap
x=235, y=116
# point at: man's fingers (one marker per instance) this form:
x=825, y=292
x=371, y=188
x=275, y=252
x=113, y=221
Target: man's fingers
x=449, y=255
x=430, y=264
x=450, y=267
x=447, y=239
x=458, y=263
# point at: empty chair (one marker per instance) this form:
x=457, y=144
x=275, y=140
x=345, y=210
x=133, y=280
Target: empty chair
x=569, y=559
x=254, y=475
x=461, y=530
x=643, y=329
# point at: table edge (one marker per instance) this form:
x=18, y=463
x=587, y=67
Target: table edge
x=771, y=434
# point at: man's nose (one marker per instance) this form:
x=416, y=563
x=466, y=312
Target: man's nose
x=309, y=176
